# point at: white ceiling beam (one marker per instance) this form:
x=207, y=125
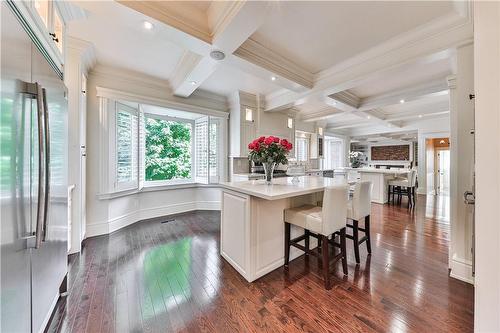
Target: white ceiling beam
x=242, y=20
x=435, y=40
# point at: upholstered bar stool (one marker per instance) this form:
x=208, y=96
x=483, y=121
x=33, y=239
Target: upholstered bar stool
x=358, y=208
x=405, y=187
x=321, y=223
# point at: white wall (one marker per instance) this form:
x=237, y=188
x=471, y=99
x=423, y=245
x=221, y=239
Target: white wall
x=487, y=145
x=107, y=215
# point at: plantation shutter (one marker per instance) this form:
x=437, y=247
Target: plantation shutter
x=201, y=150
x=127, y=134
x=301, y=145
x=214, y=142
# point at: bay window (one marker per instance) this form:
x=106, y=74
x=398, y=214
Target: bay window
x=154, y=146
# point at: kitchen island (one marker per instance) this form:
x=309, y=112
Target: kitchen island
x=252, y=227
x=378, y=177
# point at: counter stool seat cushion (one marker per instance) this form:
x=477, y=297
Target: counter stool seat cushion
x=400, y=182
x=307, y=216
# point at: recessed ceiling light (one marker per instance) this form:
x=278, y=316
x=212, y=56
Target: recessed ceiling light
x=420, y=115
x=442, y=142
x=193, y=83
x=334, y=103
x=368, y=117
x=273, y=78
x=148, y=25
x=401, y=101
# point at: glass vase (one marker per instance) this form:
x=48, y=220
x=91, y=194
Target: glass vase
x=268, y=171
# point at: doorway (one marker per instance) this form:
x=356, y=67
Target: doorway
x=442, y=171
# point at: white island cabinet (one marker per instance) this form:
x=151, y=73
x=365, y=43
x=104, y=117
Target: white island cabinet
x=252, y=227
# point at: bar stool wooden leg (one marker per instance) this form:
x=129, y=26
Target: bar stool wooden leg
x=367, y=234
x=343, y=248
x=287, y=243
x=408, y=192
x=355, y=238
x=326, y=261
x=306, y=241
x=388, y=193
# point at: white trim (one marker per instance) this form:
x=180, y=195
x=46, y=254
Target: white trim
x=461, y=269
x=119, y=222
x=121, y=95
x=49, y=313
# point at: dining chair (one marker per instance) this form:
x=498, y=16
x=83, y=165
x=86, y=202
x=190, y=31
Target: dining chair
x=404, y=187
x=320, y=223
x=359, y=208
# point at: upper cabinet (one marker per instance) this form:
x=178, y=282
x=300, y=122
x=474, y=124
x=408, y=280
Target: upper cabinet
x=47, y=26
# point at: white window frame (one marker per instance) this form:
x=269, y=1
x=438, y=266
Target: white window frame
x=153, y=183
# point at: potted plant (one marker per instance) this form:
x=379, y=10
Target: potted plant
x=355, y=158
x=269, y=151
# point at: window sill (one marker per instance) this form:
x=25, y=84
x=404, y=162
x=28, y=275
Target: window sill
x=153, y=188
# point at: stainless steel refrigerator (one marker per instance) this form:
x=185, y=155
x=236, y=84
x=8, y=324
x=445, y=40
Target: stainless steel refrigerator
x=33, y=178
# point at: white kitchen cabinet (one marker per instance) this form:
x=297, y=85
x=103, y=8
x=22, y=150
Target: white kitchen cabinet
x=48, y=25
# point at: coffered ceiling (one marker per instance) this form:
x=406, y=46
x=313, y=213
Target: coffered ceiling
x=319, y=34
x=344, y=64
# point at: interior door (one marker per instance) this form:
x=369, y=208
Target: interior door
x=18, y=177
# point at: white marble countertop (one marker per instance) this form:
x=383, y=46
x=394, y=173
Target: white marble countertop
x=282, y=188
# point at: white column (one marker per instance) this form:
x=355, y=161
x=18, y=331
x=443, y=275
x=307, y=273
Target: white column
x=487, y=231
x=78, y=58
x=462, y=163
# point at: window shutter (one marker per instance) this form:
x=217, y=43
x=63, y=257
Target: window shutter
x=201, y=150
x=126, y=147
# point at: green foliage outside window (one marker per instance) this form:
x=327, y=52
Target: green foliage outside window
x=168, y=149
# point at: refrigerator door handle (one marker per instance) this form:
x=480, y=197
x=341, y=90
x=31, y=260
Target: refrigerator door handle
x=47, y=163
x=41, y=166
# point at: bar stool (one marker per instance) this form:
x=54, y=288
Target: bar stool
x=404, y=187
x=359, y=207
x=320, y=223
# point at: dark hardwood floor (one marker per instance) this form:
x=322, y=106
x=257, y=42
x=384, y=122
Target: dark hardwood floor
x=167, y=277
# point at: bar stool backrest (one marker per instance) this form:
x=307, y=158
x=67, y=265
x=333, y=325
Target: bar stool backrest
x=413, y=178
x=334, y=209
x=362, y=199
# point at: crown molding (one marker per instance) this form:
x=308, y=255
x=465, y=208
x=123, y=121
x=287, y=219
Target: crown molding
x=220, y=14
x=347, y=97
x=322, y=114
x=104, y=92
x=177, y=15
x=261, y=56
x=86, y=50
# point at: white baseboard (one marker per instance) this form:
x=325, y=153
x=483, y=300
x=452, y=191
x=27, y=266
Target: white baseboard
x=461, y=269
x=116, y=223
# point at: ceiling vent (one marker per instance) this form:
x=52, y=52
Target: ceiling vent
x=217, y=55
